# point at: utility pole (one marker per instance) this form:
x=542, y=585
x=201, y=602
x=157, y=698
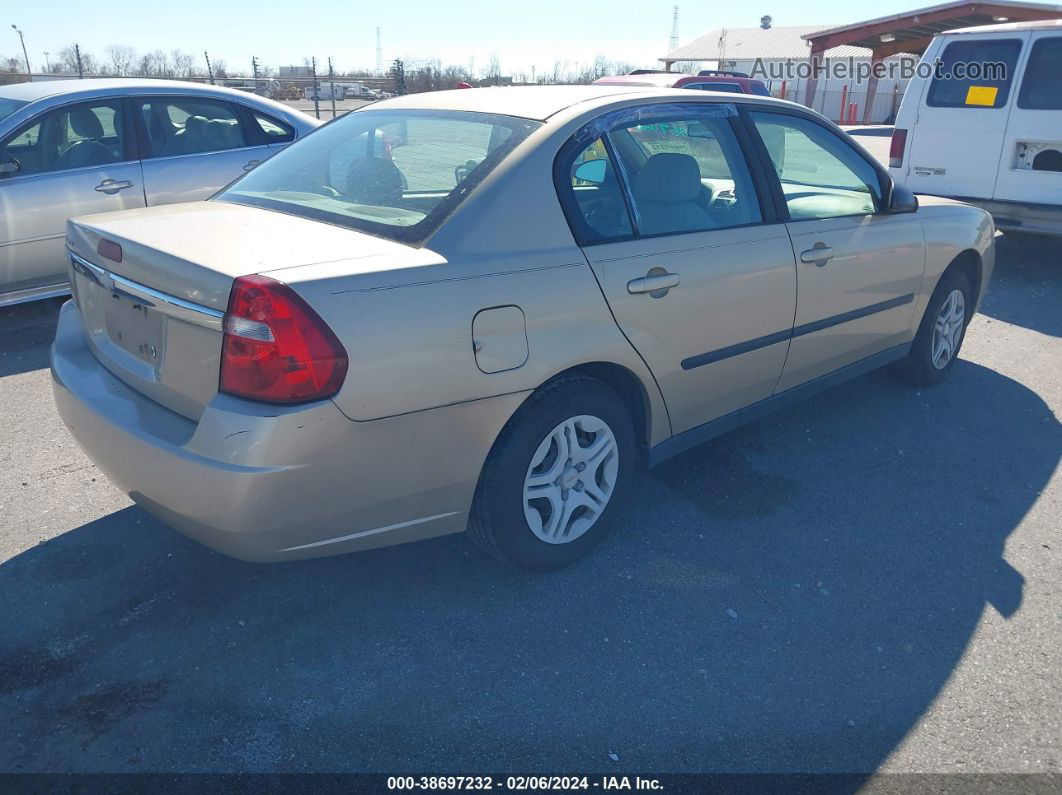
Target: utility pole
x=80, y=69
x=332, y=85
x=316, y=100
x=210, y=71
x=24, y=53
x=47, y=64
x=379, y=54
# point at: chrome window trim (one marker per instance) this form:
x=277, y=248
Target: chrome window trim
x=171, y=305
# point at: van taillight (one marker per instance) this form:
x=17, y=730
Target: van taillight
x=896, y=147
x=276, y=348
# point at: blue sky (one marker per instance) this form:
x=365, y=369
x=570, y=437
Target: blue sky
x=522, y=34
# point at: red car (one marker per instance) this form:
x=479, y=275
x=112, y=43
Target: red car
x=707, y=80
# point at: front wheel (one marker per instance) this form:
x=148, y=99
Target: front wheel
x=552, y=484
x=941, y=333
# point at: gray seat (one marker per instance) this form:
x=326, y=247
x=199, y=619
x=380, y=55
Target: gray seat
x=668, y=192
x=89, y=151
x=374, y=180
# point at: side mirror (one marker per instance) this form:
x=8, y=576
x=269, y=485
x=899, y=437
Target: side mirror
x=9, y=166
x=902, y=200
x=592, y=171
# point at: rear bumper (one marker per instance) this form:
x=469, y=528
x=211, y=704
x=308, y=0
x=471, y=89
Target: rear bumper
x=264, y=482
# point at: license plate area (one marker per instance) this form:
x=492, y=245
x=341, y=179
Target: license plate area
x=135, y=327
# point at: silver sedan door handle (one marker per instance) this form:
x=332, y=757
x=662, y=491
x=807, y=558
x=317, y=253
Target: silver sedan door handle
x=251, y=164
x=820, y=254
x=113, y=185
x=657, y=282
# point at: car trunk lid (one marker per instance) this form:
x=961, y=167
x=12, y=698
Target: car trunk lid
x=153, y=295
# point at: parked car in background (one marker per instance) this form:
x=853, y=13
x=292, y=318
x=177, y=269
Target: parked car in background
x=489, y=320
x=73, y=147
x=705, y=80
x=994, y=140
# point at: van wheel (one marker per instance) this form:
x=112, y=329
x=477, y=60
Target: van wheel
x=551, y=487
x=940, y=334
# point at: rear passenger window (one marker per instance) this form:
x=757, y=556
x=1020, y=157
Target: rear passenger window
x=731, y=88
x=178, y=126
x=686, y=175
x=975, y=74
x=1041, y=88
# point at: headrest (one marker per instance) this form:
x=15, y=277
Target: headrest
x=86, y=123
x=374, y=180
x=668, y=177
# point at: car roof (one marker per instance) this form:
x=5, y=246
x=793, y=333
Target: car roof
x=529, y=102
x=47, y=93
x=42, y=89
x=542, y=102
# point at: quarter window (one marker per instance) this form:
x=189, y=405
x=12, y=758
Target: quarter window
x=275, y=132
x=179, y=126
x=821, y=175
x=975, y=74
x=598, y=196
x=1041, y=88
x=77, y=136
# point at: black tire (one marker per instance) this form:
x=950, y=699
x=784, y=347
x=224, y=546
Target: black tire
x=497, y=523
x=918, y=367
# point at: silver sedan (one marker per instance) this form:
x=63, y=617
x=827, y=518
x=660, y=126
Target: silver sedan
x=71, y=147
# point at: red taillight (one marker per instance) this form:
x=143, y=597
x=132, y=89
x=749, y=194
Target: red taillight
x=896, y=147
x=276, y=348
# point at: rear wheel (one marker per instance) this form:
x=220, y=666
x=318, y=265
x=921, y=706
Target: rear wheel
x=941, y=333
x=551, y=486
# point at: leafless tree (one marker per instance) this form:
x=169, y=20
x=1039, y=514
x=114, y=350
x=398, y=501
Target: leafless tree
x=493, y=75
x=182, y=64
x=68, y=61
x=120, y=59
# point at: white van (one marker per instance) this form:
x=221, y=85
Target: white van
x=990, y=139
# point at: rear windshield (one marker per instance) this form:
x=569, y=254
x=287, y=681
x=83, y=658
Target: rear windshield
x=9, y=106
x=975, y=74
x=393, y=174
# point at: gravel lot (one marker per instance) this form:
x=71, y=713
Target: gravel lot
x=867, y=581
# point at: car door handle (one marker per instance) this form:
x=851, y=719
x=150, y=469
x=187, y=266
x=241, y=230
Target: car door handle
x=113, y=185
x=820, y=254
x=251, y=164
x=653, y=283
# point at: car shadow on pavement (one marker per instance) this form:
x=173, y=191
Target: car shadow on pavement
x=791, y=597
x=1034, y=267
x=26, y=334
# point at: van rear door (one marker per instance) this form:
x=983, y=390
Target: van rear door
x=958, y=132
x=1030, y=169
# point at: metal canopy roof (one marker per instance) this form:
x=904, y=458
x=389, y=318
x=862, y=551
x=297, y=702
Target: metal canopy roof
x=912, y=31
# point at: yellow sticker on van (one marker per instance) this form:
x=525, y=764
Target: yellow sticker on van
x=982, y=95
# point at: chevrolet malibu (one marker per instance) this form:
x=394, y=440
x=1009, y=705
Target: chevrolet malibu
x=483, y=310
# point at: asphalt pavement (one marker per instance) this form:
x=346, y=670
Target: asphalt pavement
x=867, y=581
